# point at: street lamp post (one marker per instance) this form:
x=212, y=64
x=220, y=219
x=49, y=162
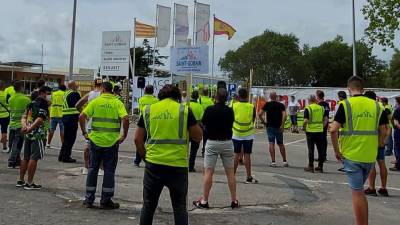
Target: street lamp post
x=71, y=57
x=354, y=42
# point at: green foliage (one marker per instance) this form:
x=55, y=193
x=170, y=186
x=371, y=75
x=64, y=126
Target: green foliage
x=393, y=74
x=384, y=21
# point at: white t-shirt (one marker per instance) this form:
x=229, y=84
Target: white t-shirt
x=293, y=107
x=92, y=95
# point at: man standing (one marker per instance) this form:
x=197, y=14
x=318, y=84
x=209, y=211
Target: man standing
x=218, y=123
x=198, y=112
x=276, y=117
x=293, y=110
x=33, y=127
x=56, y=114
x=107, y=113
x=18, y=103
x=147, y=99
x=363, y=130
x=396, y=135
x=4, y=116
x=315, y=119
x=205, y=101
x=320, y=97
x=389, y=112
x=243, y=132
x=70, y=120
x=166, y=153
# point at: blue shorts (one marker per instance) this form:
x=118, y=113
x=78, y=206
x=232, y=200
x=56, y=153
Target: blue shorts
x=274, y=134
x=357, y=173
x=381, y=154
x=53, y=124
x=293, y=119
x=246, y=144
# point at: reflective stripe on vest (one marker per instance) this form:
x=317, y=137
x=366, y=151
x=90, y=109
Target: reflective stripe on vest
x=66, y=109
x=243, y=124
x=96, y=127
x=351, y=130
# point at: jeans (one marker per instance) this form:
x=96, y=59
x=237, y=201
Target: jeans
x=155, y=178
x=194, y=147
x=16, y=140
x=357, y=173
x=396, y=135
x=312, y=140
x=70, y=128
x=389, y=144
x=109, y=157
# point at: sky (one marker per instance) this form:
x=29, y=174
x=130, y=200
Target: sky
x=27, y=24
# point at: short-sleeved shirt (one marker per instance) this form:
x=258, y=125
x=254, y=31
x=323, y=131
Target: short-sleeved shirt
x=293, y=107
x=39, y=108
x=218, y=122
x=117, y=108
x=190, y=122
x=274, y=111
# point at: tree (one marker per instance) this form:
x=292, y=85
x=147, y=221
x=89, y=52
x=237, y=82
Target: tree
x=393, y=74
x=144, y=60
x=276, y=59
x=384, y=21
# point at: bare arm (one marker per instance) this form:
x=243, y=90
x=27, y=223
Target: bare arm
x=125, y=128
x=82, y=102
x=196, y=133
x=305, y=122
x=335, y=126
x=326, y=121
x=260, y=115
x=383, y=134
x=139, y=141
x=82, y=122
x=284, y=117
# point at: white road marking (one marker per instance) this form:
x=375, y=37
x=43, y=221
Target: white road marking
x=294, y=142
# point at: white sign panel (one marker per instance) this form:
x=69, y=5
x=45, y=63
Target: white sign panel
x=202, y=23
x=115, y=53
x=186, y=60
x=157, y=82
x=181, y=25
x=163, y=25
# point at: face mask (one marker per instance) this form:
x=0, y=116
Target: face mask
x=48, y=98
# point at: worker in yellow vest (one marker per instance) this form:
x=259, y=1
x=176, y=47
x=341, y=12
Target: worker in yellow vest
x=4, y=116
x=243, y=133
x=70, y=117
x=147, y=99
x=363, y=130
x=198, y=112
x=10, y=90
x=57, y=100
x=168, y=125
x=315, y=119
x=205, y=101
x=107, y=114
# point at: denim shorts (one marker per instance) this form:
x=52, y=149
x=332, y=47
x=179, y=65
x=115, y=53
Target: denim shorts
x=293, y=119
x=275, y=134
x=357, y=173
x=381, y=154
x=53, y=124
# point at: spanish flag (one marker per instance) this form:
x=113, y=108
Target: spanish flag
x=221, y=28
x=144, y=30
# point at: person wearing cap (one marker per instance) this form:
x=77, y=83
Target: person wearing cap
x=93, y=94
x=56, y=114
x=342, y=95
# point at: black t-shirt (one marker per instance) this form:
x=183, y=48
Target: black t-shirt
x=190, y=122
x=73, y=98
x=218, y=122
x=326, y=107
x=274, y=111
x=340, y=116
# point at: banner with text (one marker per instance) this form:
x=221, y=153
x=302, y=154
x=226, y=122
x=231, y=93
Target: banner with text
x=157, y=82
x=115, y=53
x=186, y=60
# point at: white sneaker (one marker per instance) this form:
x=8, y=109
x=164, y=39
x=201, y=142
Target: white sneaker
x=101, y=172
x=6, y=150
x=84, y=171
x=273, y=164
x=285, y=164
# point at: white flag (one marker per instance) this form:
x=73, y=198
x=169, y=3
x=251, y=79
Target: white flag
x=181, y=25
x=202, y=28
x=163, y=25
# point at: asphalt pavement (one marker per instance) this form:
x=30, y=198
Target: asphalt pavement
x=282, y=196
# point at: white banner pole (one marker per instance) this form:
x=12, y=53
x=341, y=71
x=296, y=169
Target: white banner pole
x=174, y=26
x=213, y=48
x=155, y=46
x=194, y=23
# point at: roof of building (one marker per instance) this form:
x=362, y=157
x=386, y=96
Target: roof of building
x=20, y=64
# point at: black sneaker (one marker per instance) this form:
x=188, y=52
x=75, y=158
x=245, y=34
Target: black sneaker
x=192, y=170
x=370, y=192
x=251, y=180
x=87, y=204
x=70, y=160
x=11, y=166
x=309, y=169
x=20, y=183
x=32, y=186
x=319, y=170
x=109, y=205
x=235, y=204
x=199, y=205
x=383, y=192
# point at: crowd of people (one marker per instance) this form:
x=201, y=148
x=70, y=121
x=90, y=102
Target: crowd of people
x=361, y=134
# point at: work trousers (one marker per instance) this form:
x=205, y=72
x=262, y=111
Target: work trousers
x=16, y=141
x=396, y=135
x=109, y=157
x=155, y=178
x=70, y=129
x=325, y=143
x=194, y=147
x=315, y=139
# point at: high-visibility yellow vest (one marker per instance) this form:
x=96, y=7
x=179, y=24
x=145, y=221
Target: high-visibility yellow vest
x=244, y=122
x=3, y=105
x=146, y=100
x=66, y=110
x=359, y=136
x=315, y=118
x=197, y=110
x=57, y=100
x=205, y=101
x=17, y=104
x=106, y=125
x=390, y=108
x=167, y=138
x=10, y=90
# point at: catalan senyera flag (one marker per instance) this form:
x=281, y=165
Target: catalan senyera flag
x=221, y=28
x=143, y=30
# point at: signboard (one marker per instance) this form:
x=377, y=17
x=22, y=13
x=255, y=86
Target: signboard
x=157, y=82
x=232, y=88
x=115, y=53
x=186, y=60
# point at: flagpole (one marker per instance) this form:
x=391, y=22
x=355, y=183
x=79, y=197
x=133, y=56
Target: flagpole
x=194, y=24
x=155, y=46
x=213, y=49
x=134, y=50
x=174, y=28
